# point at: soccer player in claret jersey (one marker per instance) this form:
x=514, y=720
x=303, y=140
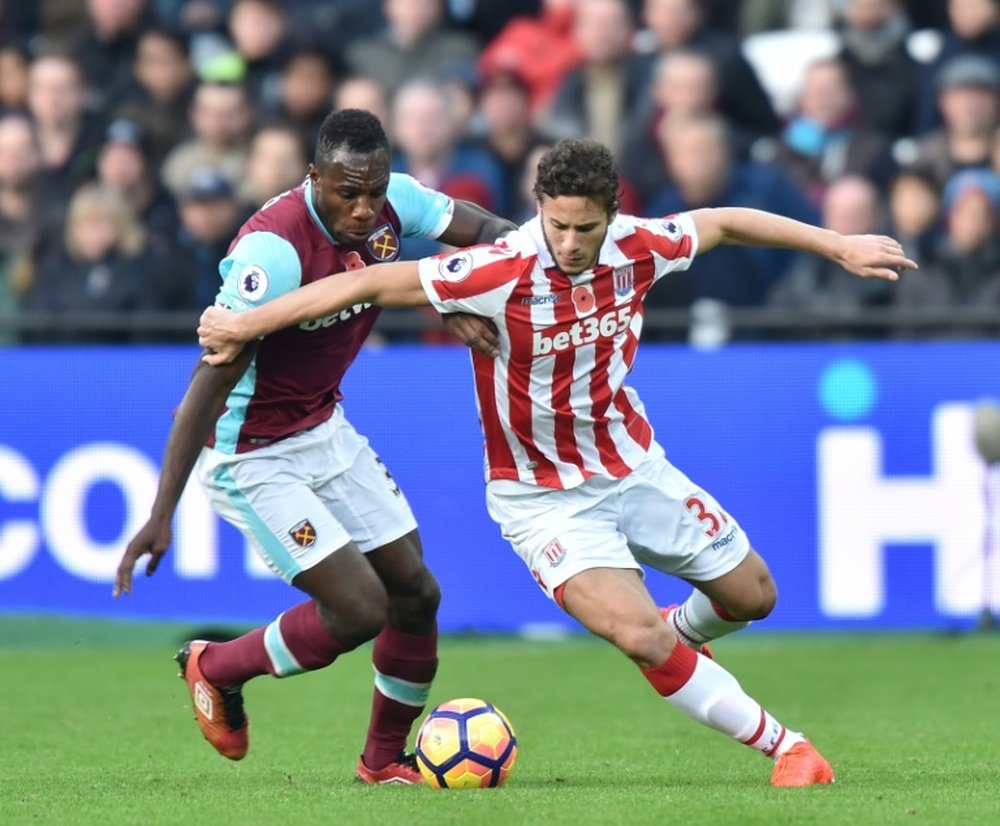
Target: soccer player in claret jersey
x=575, y=479
x=284, y=465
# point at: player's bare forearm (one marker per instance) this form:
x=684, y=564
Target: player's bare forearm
x=203, y=402
x=197, y=414
x=387, y=285
x=869, y=256
x=472, y=224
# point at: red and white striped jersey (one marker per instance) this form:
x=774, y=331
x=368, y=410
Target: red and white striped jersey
x=553, y=405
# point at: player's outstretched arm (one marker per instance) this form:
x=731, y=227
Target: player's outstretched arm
x=867, y=256
x=201, y=406
x=224, y=332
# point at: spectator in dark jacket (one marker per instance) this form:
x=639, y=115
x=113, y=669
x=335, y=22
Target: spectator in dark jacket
x=703, y=175
x=969, y=99
x=882, y=73
x=102, y=266
x=967, y=270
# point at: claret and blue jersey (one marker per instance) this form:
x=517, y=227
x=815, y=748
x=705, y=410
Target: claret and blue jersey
x=293, y=382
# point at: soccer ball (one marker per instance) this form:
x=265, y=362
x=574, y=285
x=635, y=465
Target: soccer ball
x=466, y=744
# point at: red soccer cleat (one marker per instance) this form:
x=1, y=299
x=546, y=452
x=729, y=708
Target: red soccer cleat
x=403, y=771
x=218, y=711
x=801, y=765
x=702, y=649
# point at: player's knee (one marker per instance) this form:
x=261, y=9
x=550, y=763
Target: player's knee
x=360, y=622
x=755, y=604
x=416, y=606
x=645, y=643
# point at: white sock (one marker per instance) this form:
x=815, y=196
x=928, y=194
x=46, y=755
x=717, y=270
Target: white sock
x=714, y=697
x=696, y=621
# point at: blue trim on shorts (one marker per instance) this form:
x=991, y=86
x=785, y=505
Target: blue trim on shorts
x=282, y=658
x=277, y=554
x=227, y=429
x=402, y=691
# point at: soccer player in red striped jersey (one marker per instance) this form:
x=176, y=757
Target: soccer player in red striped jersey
x=575, y=478
x=279, y=460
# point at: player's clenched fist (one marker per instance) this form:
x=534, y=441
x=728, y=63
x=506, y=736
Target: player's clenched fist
x=219, y=333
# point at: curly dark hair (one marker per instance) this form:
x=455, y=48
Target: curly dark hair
x=352, y=129
x=579, y=167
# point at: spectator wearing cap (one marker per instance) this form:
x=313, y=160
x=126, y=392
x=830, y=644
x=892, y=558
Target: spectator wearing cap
x=969, y=99
x=973, y=29
x=414, y=43
x=210, y=216
x=221, y=118
x=124, y=165
x=160, y=93
x=967, y=270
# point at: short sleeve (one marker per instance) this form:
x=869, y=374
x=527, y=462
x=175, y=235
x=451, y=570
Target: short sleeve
x=474, y=280
x=672, y=241
x=261, y=267
x=423, y=212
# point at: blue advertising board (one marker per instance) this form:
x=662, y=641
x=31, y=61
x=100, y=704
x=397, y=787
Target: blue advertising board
x=852, y=468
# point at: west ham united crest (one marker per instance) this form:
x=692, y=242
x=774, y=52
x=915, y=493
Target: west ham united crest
x=303, y=533
x=383, y=243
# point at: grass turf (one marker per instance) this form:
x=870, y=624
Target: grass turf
x=96, y=729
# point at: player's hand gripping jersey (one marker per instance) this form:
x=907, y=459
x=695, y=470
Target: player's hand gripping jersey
x=293, y=382
x=554, y=406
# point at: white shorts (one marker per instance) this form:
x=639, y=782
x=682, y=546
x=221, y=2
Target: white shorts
x=655, y=516
x=300, y=499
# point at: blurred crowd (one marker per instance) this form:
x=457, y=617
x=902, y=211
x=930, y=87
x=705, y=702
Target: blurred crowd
x=137, y=135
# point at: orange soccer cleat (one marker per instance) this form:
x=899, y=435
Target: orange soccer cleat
x=702, y=649
x=218, y=711
x=403, y=771
x=801, y=765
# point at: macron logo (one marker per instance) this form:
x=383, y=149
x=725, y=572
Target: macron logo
x=585, y=331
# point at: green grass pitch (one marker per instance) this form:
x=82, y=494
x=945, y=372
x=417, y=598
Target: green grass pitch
x=96, y=728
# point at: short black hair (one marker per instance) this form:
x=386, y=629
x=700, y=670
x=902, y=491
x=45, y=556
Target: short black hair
x=579, y=167
x=352, y=129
